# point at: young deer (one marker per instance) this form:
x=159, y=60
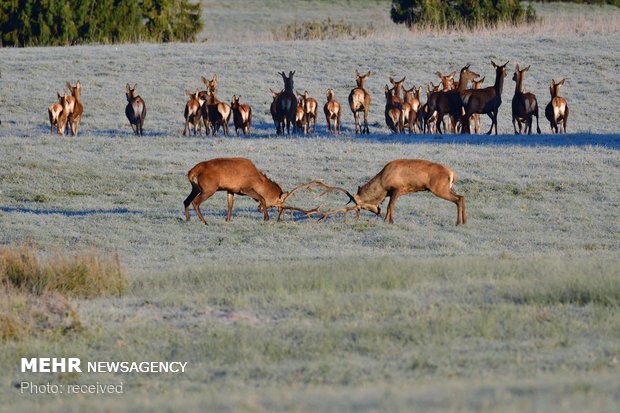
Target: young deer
x=193, y=113
x=486, y=100
x=476, y=117
x=135, y=110
x=410, y=108
x=332, y=112
x=217, y=112
x=310, y=106
x=556, y=110
x=300, y=117
x=57, y=112
x=359, y=101
x=393, y=111
x=242, y=115
x=524, y=105
x=75, y=107
x=286, y=102
x=400, y=177
x=398, y=87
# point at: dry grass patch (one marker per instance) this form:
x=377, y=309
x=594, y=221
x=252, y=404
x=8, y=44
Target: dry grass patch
x=33, y=290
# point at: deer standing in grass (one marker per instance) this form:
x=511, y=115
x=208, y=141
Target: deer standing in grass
x=400, y=177
x=477, y=84
x=242, y=115
x=217, y=112
x=310, y=106
x=135, y=110
x=75, y=107
x=524, y=104
x=286, y=102
x=486, y=100
x=427, y=118
x=277, y=119
x=556, y=110
x=393, y=110
x=410, y=108
x=57, y=112
x=236, y=176
x=193, y=112
x=332, y=112
x=359, y=101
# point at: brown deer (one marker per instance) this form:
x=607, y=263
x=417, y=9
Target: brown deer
x=410, y=108
x=393, y=111
x=556, y=110
x=300, y=117
x=477, y=84
x=524, y=105
x=57, y=112
x=332, y=112
x=217, y=112
x=486, y=100
x=398, y=87
x=135, y=110
x=242, y=115
x=277, y=120
x=193, y=112
x=359, y=101
x=400, y=177
x=286, y=102
x=310, y=106
x=236, y=176
x=427, y=118
x=449, y=102
x=75, y=107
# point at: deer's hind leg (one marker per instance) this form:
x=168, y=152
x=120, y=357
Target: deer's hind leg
x=205, y=194
x=444, y=190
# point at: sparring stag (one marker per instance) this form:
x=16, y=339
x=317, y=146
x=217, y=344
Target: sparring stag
x=556, y=111
x=359, y=101
x=135, y=110
x=524, y=104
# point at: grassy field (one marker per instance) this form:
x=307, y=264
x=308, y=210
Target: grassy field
x=516, y=311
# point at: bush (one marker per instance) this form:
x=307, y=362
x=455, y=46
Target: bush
x=460, y=13
x=55, y=22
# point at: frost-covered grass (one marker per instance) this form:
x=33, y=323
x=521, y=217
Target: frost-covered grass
x=515, y=311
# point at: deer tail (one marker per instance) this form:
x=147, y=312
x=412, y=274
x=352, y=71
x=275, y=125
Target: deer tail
x=192, y=176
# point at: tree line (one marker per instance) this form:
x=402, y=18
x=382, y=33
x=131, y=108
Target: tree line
x=67, y=22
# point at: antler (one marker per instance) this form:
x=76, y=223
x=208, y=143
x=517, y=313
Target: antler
x=318, y=210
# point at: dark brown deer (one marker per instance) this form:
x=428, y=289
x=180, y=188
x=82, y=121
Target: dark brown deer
x=332, y=112
x=193, y=112
x=75, y=107
x=556, y=110
x=427, y=118
x=449, y=102
x=477, y=84
x=286, y=102
x=400, y=177
x=135, y=110
x=524, y=104
x=393, y=111
x=486, y=100
x=217, y=112
x=57, y=112
x=277, y=120
x=310, y=106
x=359, y=101
x=236, y=176
x=242, y=115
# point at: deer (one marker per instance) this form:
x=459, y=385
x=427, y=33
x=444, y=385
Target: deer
x=398, y=86
x=359, y=101
x=300, y=117
x=75, y=107
x=310, y=109
x=399, y=177
x=428, y=119
x=524, y=105
x=556, y=110
x=277, y=120
x=193, y=112
x=242, y=115
x=286, y=102
x=477, y=84
x=57, y=112
x=449, y=102
x=217, y=112
x=332, y=113
x=135, y=110
x=410, y=108
x=393, y=111
x=237, y=176
x=486, y=100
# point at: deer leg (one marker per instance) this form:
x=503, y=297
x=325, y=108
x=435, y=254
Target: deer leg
x=206, y=194
x=537, y=125
x=445, y=191
x=366, y=121
x=389, y=214
x=230, y=206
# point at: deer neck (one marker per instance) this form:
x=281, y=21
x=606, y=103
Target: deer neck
x=499, y=82
x=519, y=85
x=372, y=192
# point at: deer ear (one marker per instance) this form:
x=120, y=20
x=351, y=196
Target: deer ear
x=78, y=85
x=392, y=80
x=368, y=74
x=127, y=88
x=439, y=75
x=527, y=68
x=69, y=85
x=561, y=82
x=493, y=63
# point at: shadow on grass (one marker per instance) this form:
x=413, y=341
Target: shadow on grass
x=70, y=212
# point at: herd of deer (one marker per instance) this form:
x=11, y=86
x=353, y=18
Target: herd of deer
x=450, y=98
